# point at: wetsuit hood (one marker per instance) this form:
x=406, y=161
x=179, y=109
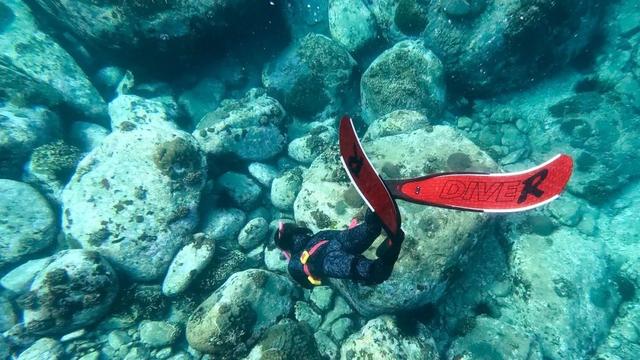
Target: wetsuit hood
x=292, y=238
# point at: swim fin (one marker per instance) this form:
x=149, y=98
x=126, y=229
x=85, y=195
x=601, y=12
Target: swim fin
x=496, y=192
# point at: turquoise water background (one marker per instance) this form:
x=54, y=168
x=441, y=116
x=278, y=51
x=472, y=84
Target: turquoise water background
x=148, y=150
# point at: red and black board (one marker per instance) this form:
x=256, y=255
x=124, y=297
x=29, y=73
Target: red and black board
x=366, y=179
x=497, y=192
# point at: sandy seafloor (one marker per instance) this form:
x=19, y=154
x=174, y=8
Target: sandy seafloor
x=148, y=150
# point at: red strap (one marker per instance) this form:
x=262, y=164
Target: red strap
x=313, y=249
x=353, y=223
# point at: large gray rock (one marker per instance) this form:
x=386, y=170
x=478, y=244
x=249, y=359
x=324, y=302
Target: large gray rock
x=134, y=198
x=241, y=189
x=22, y=131
x=351, y=23
x=202, y=98
x=563, y=292
x=509, y=44
x=438, y=239
x=620, y=231
x=406, y=77
x=382, y=338
x=493, y=339
x=33, y=66
x=128, y=111
x=250, y=128
x=224, y=225
x=27, y=223
x=163, y=30
x=8, y=317
x=285, y=188
x=237, y=314
x=593, y=126
x=45, y=348
x=263, y=173
x=87, y=136
x=312, y=78
x=306, y=148
x=157, y=334
x=253, y=233
x=188, y=264
x=75, y=290
x=19, y=280
x=400, y=19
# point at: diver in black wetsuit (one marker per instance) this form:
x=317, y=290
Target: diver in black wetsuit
x=337, y=254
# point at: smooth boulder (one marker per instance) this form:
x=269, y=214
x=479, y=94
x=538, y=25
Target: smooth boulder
x=27, y=222
x=34, y=67
x=312, y=77
x=134, y=198
x=24, y=129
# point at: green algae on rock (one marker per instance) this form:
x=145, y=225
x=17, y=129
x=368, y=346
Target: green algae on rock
x=75, y=290
x=319, y=65
x=509, y=46
x=352, y=24
x=406, y=77
x=51, y=167
x=238, y=313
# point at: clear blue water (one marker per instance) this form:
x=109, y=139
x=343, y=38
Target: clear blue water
x=148, y=150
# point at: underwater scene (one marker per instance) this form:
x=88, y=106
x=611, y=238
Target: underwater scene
x=320, y=179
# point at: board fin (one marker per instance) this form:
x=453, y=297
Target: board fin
x=496, y=192
x=366, y=179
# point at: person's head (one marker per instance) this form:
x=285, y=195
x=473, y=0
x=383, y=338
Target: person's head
x=288, y=234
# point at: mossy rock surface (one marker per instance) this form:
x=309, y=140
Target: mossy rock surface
x=311, y=78
x=286, y=340
x=34, y=69
x=405, y=77
x=382, y=337
x=237, y=314
x=75, y=290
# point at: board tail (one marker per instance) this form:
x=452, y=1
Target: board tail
x=366, y=179
x=500, y=192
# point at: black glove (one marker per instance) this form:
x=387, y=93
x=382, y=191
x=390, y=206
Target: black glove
x=391, y=247
x=371, y=218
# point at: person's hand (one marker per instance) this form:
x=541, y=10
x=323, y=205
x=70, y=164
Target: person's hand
x=370, y=217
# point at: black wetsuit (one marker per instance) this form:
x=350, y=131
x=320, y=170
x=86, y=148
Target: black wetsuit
x=340, y=257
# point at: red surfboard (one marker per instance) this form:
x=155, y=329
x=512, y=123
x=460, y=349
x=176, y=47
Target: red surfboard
x=499, y=192
x=366, y=179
